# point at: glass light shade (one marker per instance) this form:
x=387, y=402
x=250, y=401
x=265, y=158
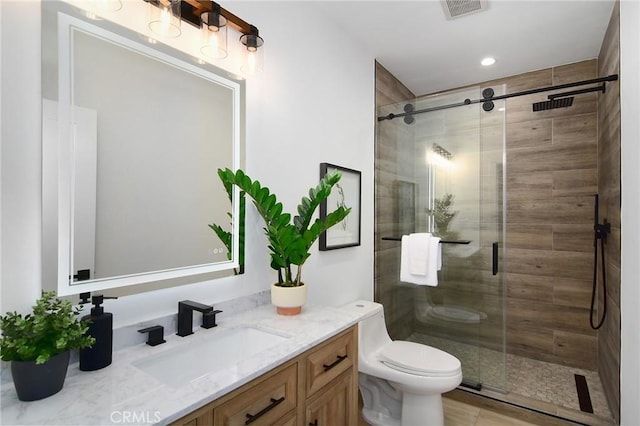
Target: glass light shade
x=107, y=5
x=164, y=18
x=252, y=62
x=214, y=35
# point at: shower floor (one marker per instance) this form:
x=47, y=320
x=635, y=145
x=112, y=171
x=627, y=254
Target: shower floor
x=539, y=385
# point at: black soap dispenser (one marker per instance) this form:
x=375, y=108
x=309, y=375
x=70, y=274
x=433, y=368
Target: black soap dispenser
x=101, y=328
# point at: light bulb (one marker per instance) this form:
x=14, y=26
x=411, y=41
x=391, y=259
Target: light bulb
x=165, y=21
x=165, y=18
x=214, y=35
x=251, y=62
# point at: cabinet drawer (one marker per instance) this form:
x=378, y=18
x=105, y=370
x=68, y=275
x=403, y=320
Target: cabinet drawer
x=330, y=360
x=264, y=403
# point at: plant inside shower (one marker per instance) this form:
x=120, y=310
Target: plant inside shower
x=442, y=216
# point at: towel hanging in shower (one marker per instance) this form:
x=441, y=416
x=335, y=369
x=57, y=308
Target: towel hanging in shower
x=420, y=259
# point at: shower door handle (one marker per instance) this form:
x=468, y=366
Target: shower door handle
x=495, y=258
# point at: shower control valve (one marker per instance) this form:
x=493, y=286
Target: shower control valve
x=602, y=230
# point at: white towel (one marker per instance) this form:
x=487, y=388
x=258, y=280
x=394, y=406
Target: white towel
x=433, y=262
x=419, y=245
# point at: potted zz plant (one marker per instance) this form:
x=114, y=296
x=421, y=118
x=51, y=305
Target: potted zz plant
x=38, y=345
x=290, y=238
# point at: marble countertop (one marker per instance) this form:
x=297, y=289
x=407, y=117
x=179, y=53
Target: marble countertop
x=124, y=394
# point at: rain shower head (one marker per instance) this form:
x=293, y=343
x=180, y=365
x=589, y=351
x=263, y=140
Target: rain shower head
x=553, y=104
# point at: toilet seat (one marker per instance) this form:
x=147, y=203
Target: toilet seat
x=418, y=359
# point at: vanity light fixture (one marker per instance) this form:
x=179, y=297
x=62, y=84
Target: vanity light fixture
x=164, y=17
x=441, y=151
x=214, y=33
x=439, y=156
x=213, y=20
x=252, y=61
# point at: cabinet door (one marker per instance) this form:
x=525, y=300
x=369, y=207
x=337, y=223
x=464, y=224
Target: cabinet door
x=204, y=419
x=265, y=403
x=330, y=360
x=334, y=405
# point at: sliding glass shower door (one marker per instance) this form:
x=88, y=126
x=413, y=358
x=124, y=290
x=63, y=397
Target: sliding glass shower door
x=443, y=172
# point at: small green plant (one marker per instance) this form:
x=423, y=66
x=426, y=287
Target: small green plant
x=442, y=216
x=52, y=328
x=226, y=236
x=290, y=238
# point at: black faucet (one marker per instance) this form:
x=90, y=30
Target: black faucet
x=185, y=315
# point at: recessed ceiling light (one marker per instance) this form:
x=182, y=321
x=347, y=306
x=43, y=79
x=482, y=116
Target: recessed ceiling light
x=488, y=61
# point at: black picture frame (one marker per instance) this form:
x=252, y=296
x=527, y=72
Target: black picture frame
x=347, y=193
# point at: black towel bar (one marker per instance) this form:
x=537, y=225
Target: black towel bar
x=441, y=241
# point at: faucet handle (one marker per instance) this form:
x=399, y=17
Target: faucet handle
x=191, y=305
x=156, y=335
x=209, y=319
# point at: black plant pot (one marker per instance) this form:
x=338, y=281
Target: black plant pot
x=37, y=381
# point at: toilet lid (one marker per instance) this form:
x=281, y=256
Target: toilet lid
x=418, y=359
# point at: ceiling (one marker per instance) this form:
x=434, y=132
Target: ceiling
x=428, y=53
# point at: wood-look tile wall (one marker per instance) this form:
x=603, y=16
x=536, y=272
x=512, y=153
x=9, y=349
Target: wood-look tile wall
x=551, y=180
x=609, y=190
x=393, y=162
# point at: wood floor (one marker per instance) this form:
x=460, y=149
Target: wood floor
x=457, y=413
x=460, y=414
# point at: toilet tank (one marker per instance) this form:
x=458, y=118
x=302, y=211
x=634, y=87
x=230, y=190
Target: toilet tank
x=372, y=333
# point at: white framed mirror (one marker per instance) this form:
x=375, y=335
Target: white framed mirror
x=133, y=136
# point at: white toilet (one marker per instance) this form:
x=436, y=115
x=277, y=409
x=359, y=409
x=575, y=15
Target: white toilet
x=402, y=382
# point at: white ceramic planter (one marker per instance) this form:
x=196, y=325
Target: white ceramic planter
x=288, y=300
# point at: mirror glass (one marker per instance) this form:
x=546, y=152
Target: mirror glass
x=133, y=136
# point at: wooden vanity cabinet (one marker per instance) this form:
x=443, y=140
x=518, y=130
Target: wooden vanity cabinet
x=317, y=388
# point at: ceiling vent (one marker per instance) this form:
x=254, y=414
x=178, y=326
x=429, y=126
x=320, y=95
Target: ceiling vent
x=457, y=8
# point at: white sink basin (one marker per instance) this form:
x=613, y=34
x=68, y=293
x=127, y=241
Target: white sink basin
x=208, y=354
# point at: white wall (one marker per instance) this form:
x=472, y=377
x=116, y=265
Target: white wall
x=630, y=261
x=313, y=103
x=21, y=182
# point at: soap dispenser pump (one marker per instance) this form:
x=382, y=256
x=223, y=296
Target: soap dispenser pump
x=101, y=328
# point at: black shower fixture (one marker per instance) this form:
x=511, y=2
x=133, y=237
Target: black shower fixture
x=601, y=230
x=553, y=104
x=408, y=119
x=556, y=100
x=488, y=93
x=488, y=106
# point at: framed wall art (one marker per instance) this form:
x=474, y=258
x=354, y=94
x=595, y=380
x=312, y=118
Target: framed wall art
x=346, y=193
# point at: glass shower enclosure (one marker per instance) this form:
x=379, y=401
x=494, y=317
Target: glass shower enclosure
x=443, y=172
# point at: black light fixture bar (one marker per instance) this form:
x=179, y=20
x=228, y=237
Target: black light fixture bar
x=467, y=101
x=190, y=11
